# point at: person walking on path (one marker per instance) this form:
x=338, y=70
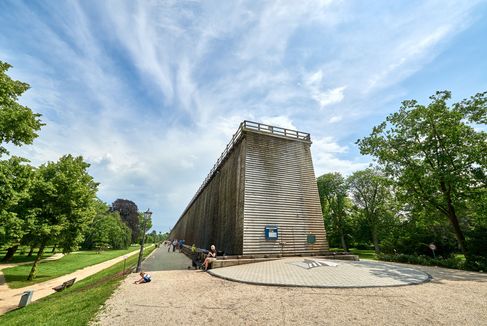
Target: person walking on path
x=174, y=245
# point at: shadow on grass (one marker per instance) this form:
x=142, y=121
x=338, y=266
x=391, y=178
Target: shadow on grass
x=23, y=278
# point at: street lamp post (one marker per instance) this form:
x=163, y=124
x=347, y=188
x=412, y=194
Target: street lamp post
x=147, y=215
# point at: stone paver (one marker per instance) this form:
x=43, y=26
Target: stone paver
x=315, y=272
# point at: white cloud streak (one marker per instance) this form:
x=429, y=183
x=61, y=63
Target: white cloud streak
x=150, y=92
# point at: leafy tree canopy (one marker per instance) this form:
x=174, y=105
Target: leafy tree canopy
x=373, y=196
x=332, y=189
x=129, y=214
x=63, y=199
x=107, y=230
x=18, y=124
x=435, y=152
x=15, y=180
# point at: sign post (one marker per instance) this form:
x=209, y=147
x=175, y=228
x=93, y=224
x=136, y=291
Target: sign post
x=433, y=248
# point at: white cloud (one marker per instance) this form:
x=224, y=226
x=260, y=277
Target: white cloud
x=152, y=93
x=324, y=97
x=326, y=154
x=335, y=119
x=279, y=121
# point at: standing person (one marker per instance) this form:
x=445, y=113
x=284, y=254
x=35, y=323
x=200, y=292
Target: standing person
x=169, y=245
x=210, y=257
x=181, y=243
x=174, y=245
x=194, y=256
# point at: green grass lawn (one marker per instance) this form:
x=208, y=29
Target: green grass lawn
x=361, y=253
x=21, y=256
x=76, y=305
x=16, y=277
x=364, y=254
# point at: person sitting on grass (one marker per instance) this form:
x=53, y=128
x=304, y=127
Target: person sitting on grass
x=210, y=257
x=144, y=278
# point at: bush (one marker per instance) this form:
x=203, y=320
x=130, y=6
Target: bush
x=413, y=239
x=451, y=262
x=476, y=242
x=364, y=246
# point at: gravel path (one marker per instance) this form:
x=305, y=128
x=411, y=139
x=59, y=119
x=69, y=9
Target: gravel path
x=188, y=297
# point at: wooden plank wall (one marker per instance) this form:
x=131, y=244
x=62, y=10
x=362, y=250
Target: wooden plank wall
x=216, y=215
x=280, y=189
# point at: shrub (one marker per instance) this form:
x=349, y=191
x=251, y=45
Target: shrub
x=451, y=262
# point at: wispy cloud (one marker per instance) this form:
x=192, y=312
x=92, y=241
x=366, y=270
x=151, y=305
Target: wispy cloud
x=150, y=92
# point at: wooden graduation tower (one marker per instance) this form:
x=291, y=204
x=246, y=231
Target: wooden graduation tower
x=259, y=198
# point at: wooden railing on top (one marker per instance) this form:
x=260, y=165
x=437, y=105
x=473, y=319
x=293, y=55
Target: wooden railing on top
x=254, y=127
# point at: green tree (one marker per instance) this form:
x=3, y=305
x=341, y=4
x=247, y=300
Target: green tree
x=106, y=230
x=332, y=189
x=62, y=198
x=372, y=194
x=15, y=180
x=18, y=124
x=129, y=214
x=144, y=224
x=435, y=154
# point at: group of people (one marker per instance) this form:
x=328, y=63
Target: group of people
x=174, y=244
x=210, y=257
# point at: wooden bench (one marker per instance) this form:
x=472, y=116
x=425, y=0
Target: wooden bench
x=66, y=284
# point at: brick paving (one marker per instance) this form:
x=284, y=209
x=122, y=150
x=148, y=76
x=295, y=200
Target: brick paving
x=315, y=272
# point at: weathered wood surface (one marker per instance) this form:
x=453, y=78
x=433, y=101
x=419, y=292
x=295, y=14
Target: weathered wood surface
x=280, y=189
x=216, y=214
x=264, y=178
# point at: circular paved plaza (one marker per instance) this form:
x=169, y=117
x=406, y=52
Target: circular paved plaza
x=322, y=273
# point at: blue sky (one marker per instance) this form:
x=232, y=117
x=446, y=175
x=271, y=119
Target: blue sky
x=150, y=92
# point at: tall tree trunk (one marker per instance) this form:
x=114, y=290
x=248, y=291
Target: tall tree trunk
x=342, y=238
x=33, y=271
x=375, y=238
x=10, y=253
x=31, y=251
x=452, y=216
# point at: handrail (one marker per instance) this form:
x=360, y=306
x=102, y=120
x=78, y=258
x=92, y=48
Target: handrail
x=246, y=125
x=277, y=131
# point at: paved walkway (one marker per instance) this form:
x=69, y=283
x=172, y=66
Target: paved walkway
x=162, y=260
x=315, y=272
x=9, y=298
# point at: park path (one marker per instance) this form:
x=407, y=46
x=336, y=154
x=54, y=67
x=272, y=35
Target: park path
x=163, y=260
x=9, y=298
x=189, y=297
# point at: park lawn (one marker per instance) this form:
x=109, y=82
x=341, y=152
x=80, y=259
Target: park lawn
x=16, y=277
x=76, y=305
x=20, y=257
x=361, y=253
x=364, y=253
